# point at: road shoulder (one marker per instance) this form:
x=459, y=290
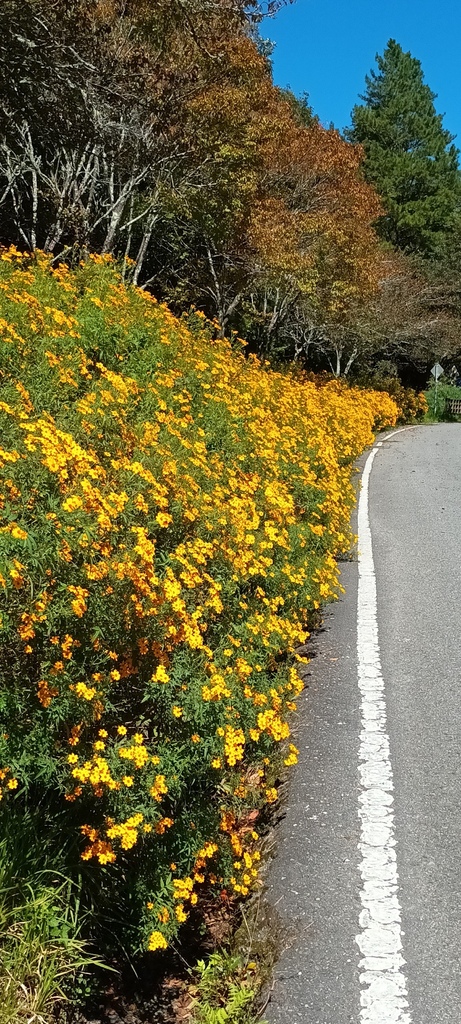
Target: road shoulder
x=313, y=881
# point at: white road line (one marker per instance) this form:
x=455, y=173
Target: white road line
x=383, y=986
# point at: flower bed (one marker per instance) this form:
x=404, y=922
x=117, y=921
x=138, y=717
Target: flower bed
x=171, y=515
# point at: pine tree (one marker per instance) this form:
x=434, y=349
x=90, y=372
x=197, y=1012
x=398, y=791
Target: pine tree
x=409, y=156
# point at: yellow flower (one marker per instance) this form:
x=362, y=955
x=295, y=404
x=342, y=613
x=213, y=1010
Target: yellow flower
x=253, y=467
x=157, y=941
x=72, y=503
x=159, y=789
x=162, y=825
x=18, y=533
x=79, y=605
x=160, y=675
x=84, y=691
x=163, y=519
x=292, y=755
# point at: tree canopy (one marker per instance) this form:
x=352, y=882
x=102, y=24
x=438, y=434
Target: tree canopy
x=155, y=133
x=409, y=156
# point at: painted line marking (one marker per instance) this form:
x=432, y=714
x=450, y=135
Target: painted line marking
x=383, y=985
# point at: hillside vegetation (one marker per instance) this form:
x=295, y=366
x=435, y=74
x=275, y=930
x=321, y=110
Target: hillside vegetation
x=171, y=516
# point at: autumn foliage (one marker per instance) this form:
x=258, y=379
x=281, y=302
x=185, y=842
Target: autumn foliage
x=154, y=132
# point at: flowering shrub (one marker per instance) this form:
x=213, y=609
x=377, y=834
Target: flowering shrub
x=171, y=513
x=412, y=405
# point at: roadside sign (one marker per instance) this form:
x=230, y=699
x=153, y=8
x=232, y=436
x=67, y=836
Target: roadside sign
x=437, y=371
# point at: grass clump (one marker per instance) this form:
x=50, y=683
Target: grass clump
x=43, y=955
x=40, y=951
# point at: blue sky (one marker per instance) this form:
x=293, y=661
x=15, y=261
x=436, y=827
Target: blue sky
x=326, y=47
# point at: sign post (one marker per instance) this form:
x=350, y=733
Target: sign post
x=436, y=371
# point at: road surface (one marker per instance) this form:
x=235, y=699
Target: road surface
x=367, y=880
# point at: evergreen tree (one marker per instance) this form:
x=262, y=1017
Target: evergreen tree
x=409, y=156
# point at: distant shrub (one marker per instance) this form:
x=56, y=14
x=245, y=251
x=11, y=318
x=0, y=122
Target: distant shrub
x=412, y=405
x=438, y=399
x=171, y=514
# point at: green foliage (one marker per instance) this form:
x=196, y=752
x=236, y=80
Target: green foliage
x=409, y=156
x=223, y=991
x=438, y=397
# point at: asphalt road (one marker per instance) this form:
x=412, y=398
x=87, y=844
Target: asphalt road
x=315, y=883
